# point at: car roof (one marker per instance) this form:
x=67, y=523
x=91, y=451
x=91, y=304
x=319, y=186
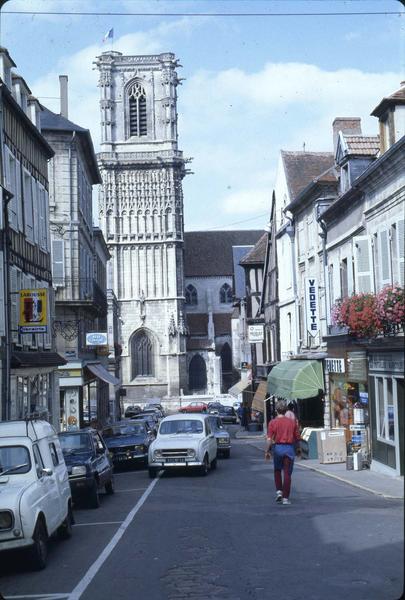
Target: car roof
x=33, y=429
x=177, y=416
x=78, y=431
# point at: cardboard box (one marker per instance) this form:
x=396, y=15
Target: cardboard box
x=331, y=446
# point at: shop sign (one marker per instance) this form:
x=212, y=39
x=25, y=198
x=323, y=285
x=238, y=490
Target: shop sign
x=357, y=366
x=311, y=306
x=358, y=427
x=335, y=365
x=33, y=311
x=387, y=361
x=96, y=338
x=255, y=334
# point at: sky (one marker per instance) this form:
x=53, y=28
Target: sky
x=253, y=84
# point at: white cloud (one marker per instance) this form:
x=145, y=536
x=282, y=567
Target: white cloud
x=247, y=201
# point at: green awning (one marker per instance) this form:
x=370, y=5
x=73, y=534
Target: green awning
x=293, y=379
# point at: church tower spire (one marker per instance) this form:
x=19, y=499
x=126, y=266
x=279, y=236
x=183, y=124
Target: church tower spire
x=141, y=215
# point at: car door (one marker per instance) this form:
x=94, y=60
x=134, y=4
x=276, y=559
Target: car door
x=210, y=441
x=102, y=460
x=48, y=499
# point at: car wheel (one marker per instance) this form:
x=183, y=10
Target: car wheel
x=39, y=551
x=205, y=466
x=65, y=530
x=214, y=464
x=109, y=486
x=94, y=498
x=152, y=473
x=227, y=453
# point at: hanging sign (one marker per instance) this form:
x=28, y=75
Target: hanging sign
x=335, y=365
x=311, y=306
x=33, y=311
x=255, y=334
x=97, y=338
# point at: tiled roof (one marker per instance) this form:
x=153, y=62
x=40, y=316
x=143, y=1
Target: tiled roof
x=258, y=253
x=197, y=323
x=222, y=323
x=209, y=253
x=367, y=145
x=303, y=167
x=397, y=97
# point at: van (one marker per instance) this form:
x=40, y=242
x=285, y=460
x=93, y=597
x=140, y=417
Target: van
x=35, y=498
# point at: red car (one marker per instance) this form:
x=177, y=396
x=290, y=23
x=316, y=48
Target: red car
x=195, y=407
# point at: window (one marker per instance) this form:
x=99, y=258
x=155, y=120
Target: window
x=142, y=355
x=344, y=282
x=225, y=294
x=363, y=264
x=58, y=263
x=137, y=110
x=385, y=409
x=28, y=206
x=39, y=464
x=197, y=374
x=398, y=253
x=54, y=454
x=191, y=295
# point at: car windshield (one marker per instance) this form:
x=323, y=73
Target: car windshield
x=75, y=442
x=181, y=426
x=226, y=410
x=14, y=460
x=118, y=430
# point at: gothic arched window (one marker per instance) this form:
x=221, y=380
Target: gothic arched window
x=142, y=355
x=191, y=295
x=225, y=294
x=137, y=110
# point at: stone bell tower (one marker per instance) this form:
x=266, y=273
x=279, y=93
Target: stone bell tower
x=141, y=215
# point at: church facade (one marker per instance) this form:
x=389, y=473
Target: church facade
x=141, y=215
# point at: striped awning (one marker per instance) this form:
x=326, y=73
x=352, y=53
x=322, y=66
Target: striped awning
x=294, y=379
x=238, y=388
x=260, y=397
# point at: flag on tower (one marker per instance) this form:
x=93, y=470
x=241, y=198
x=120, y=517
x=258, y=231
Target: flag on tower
x=109, y=35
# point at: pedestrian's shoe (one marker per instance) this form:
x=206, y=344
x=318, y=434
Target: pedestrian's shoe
x=279, y=496
x=286, y=501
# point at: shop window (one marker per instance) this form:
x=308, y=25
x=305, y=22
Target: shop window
x=385, y=409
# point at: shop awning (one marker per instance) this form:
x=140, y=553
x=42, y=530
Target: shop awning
x=259, y=397
x=21, y=360
x=238, y=388
x=99, y=371
x=293, y=379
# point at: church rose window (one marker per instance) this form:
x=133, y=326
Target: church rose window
x=137, y=110
x=142, y=355
x=191, y=295
x=225, y=294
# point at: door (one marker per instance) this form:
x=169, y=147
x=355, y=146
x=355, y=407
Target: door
x=102, y=460
x=48, y=500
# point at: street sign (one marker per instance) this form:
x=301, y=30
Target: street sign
x=97, y=338
x=33, y=311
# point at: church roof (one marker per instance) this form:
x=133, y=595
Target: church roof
x=303, y=167
x=209, y=253
x=257, y=254
x=222, y=323
x=197, y=323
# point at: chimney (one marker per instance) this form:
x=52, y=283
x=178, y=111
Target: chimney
x=63, y=86
x=347, y=125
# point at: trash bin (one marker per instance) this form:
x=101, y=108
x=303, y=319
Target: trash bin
x=349, y=462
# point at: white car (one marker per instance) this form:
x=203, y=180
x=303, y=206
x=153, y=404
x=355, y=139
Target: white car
x=183, y=441
x=35, y=498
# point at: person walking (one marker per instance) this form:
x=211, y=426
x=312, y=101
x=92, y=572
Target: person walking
x=282, y=435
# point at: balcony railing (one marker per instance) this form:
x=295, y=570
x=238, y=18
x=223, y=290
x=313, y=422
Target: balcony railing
x=85, y=292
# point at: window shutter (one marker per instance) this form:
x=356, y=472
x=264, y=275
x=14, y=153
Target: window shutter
x=36, y=212
x=28, y=215
x=14, y=304
x=2, y=303
x=385, y=258
x=47, y=222
x=20, y=206
x=401, y=250
x=363, y=265
x=58, y=263
x=42, y=217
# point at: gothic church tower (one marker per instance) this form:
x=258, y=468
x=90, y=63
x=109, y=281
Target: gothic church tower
x=141, y=215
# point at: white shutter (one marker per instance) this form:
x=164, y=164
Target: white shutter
x=11, y=184
x=385, y=257
x=35, y=205
x=363, y=264
x=14, y=304
x=47, y=222
x=2, y=303
x=401, y=251
x=58, y=262
x=20, y=206
x=28, y=215
x=42, y=217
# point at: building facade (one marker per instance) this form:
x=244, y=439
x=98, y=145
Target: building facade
x=141, y=215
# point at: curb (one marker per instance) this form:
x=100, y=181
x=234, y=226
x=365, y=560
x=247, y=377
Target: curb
x=352, y=483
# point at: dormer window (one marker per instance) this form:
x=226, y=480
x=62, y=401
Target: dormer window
x=137, y=110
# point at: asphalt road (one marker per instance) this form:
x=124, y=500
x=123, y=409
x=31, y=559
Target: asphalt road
x=222, y=537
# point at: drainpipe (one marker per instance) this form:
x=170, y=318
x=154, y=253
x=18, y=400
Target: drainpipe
x=291, y=234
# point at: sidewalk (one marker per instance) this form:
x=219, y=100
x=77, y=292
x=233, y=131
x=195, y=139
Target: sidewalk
x=375, y=483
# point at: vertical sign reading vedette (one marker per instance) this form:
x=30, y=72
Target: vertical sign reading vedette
x=311, y=306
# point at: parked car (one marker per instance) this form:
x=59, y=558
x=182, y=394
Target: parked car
x=131, y=411
x=221, y=435
x=89, y=465
x=35, y=497
x=213, y=407
x=227, y=413
x=149, y=420
x=194, y=407
x=152, y=412
x=155, y=405
x=128, y=442
x=183, y=442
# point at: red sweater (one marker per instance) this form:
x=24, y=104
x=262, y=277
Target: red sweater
x=283, y=430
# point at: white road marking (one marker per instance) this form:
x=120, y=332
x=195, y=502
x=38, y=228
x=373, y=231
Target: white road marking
x=100, y=523
x=131, y=490
x=95, y=567
x=42, y=596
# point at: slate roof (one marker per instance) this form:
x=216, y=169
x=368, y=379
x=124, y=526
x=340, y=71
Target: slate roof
x=197, y=323
x=51, y=121
x=222, y=323
x=202, y=344
x=209, y=253
x=362, y=145
x=397, y=97
x=257, y=254
x=303, y=167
